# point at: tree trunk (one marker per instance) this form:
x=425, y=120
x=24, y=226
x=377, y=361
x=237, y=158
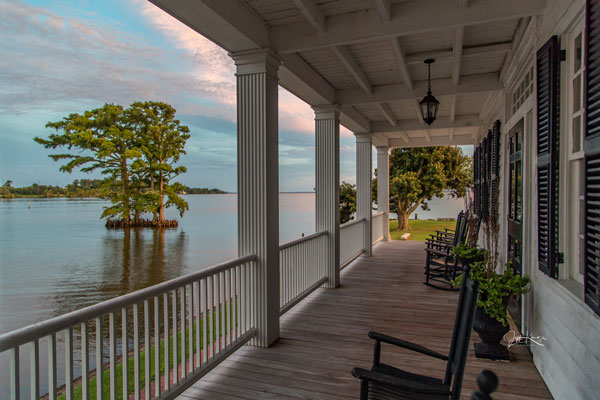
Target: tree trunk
x=154, y=213
x=403, y=221
x=161, y=206
x=125, y=183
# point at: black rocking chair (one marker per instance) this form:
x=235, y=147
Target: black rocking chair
x=386, y=382
x=441, y=266
x=447, y=235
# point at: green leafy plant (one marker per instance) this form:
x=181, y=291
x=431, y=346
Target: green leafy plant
x=469, y=253
x=495, y=288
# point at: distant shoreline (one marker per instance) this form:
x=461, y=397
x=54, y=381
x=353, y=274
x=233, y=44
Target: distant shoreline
x=41, y=196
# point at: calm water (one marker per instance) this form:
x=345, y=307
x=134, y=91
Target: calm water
x=57, y=256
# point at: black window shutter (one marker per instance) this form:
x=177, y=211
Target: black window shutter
x=485, y=171
x=548, y=108
x=495, y=166
x=592, y=156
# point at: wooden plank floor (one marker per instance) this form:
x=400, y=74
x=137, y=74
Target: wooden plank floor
x=325, y=336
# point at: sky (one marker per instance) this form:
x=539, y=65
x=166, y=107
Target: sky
x=63, y=57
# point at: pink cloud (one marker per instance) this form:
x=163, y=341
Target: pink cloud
x=214, y=65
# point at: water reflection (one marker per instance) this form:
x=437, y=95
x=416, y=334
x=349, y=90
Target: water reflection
x=131, y=259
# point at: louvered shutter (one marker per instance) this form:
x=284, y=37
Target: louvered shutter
x=495, y=167
x=548, y=108
x=485, y=193
x=592, y=156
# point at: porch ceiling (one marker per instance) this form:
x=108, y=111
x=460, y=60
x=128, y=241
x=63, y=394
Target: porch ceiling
x=367, y=56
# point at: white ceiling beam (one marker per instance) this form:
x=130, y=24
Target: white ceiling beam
x=354, y=120
x=427, y=136
x=410, y=17
x=402, y=125
x=485, y=50
x=451, y=134
x=302, y=80
x=387, y=112
x=440, y=87
x=462, y=3
x=457, y=50
x=379, y=139
x=401, y=60
x=453, y=108
x=353, y=67
x=311, y=13
x=229, y=23
x=459, y=140
x=384, y=9
x=404, y=137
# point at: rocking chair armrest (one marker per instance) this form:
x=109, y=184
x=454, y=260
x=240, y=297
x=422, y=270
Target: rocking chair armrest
x=380, y=337
x=400, y=383
x=438, y=243
x=439, y=253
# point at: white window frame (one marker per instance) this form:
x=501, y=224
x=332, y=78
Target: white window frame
x=573, y=173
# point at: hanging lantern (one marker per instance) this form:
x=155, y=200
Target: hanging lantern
x=429, y=104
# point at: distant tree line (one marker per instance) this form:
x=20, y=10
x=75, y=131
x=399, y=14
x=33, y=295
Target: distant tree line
x=78, y=189
x=189, y=190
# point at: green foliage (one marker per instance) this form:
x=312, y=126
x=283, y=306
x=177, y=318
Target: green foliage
x=468, y=253
x=419, y=174
x=189, y=190
x=495, y=288
x=137, y=150
x=347, y=201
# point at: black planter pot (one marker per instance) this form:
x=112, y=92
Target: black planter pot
x=491, y=333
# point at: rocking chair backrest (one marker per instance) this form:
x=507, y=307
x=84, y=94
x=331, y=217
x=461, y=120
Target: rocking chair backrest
x=461, y=334
x=461, y=229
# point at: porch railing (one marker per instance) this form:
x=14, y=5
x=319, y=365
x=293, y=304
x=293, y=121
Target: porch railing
x=169, y=334
x=378, y=226
x=181, y=329
x=351, y=241
x=302, y=268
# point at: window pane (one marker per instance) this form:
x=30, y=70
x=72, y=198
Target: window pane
x=518, y=208
x=576, y=134
x=577, y=93
x=577, y=51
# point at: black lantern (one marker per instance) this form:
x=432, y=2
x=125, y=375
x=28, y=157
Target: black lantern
x=429, y=104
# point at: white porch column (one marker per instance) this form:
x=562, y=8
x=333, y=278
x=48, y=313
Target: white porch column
x=258, y=182
x=383, y=188
x=327, y=160
x=363, y=186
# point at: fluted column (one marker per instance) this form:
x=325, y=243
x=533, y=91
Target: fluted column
x=383, y=188
x=258, y=182
x=363, y=186
x=327, y=160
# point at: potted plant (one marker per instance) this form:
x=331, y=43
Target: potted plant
x=491, y=316
x=468, y=254
x=495, y=289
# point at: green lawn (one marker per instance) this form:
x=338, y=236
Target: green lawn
x=420, y=229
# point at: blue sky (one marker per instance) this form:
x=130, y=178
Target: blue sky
x=60, y=57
